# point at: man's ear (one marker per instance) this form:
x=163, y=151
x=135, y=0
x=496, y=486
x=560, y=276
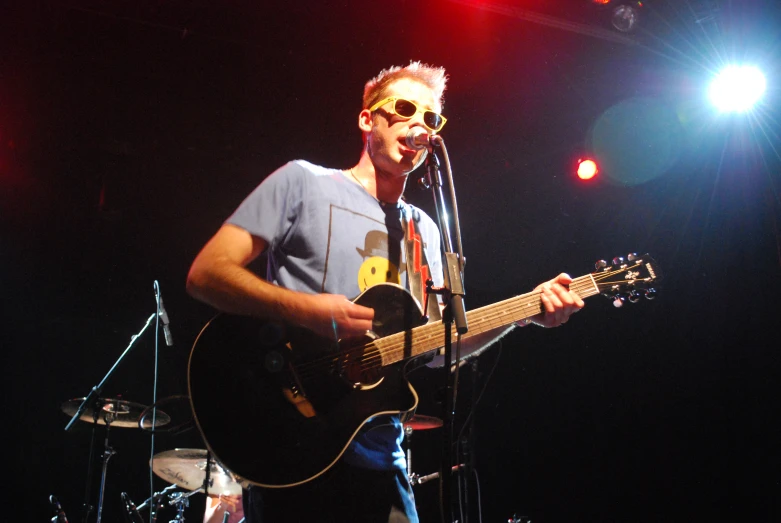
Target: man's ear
x=365, y=121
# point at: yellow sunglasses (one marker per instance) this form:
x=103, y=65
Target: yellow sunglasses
x=406, y=109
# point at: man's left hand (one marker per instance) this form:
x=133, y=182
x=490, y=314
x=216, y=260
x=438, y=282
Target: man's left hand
x=558, y=301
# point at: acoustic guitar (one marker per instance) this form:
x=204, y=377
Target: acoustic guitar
x=278, y=405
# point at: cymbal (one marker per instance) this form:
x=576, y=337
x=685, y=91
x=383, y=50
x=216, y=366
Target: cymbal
x=420, y=422
x=187, y=469
x=112, y=411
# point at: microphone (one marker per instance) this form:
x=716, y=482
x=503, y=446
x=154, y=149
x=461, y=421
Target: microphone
x=60, y=517
x=418, y=138
x=131, y=512
x=164, y=318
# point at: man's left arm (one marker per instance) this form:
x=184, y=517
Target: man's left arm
x=558, y=303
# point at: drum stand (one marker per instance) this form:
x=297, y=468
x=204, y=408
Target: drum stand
x=413, y=478
x=416, y=479
x=422, y=423
x=154, y=504
x=107, y=453
x=181, y=501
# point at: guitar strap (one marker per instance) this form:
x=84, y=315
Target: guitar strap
x=418, y=271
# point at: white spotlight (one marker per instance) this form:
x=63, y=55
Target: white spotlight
x=737, y=88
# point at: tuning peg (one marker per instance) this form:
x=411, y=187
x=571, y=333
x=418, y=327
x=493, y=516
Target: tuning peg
x=601, y=264
x=618, y=301
x=634, y=297
x=632, y=256
x=618, y=261
x=650, y=293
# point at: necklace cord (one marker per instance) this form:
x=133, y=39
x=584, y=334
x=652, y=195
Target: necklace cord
x=383, y=203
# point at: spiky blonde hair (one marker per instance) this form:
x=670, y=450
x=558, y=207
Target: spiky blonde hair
x=433, y=77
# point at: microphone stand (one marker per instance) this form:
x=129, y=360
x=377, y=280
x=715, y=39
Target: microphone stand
x=454, y=312
x=93, y=399
x=467, y=442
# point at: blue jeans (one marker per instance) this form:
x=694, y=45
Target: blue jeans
x=344, y=494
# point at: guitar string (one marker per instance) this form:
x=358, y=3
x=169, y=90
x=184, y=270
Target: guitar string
x=396, y=352
x=382, y=356
x=534, y=308
x=374, y=354
x=491, y=319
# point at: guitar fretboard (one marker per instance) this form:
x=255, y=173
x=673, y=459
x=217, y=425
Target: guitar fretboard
x=408, y=344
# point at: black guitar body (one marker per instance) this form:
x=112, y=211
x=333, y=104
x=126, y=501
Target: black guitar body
x=278, y=406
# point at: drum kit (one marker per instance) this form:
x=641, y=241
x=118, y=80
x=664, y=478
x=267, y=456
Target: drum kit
x=415, y=423
x=193, y=470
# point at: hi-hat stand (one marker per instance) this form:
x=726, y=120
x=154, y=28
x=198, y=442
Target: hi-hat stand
x=111, y=412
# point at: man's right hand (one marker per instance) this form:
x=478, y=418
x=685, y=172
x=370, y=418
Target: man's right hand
x=335, y=317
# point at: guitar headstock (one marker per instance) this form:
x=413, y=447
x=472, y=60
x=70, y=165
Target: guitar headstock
x=629, y=278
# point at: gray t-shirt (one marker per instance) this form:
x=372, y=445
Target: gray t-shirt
x=326, y=234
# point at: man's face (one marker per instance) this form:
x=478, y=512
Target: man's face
x=387, y=141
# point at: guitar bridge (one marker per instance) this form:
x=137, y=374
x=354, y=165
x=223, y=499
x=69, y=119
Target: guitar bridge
x=294, y=393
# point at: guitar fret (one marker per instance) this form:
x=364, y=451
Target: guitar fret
x=428, y=337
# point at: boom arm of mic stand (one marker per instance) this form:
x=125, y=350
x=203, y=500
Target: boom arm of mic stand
x=95, y=392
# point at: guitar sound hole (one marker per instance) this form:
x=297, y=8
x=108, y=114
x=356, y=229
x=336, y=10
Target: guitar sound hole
x=361, y=369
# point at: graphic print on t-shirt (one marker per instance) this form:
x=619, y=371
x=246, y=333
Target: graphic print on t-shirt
x=419, y=269
x=369, y=251
x=376, y=268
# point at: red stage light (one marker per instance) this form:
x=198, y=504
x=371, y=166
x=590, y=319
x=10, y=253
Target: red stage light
x=587, y=169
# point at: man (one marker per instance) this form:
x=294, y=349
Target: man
x=330, y=234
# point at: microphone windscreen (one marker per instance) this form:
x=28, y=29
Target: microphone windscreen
x=417, y=138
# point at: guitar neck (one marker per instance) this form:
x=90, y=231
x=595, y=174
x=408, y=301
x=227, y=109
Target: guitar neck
x=429, y=337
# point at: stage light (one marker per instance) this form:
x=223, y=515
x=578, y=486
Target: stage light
x=587, y=169
x=626, y=16
x=737, y=88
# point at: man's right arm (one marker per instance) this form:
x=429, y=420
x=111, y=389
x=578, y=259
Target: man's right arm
x=219, y=277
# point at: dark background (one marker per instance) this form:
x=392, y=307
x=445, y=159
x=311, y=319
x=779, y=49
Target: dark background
x=130, y=130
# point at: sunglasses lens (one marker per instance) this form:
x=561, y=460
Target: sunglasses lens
x=405, y=108
x=432, y=120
